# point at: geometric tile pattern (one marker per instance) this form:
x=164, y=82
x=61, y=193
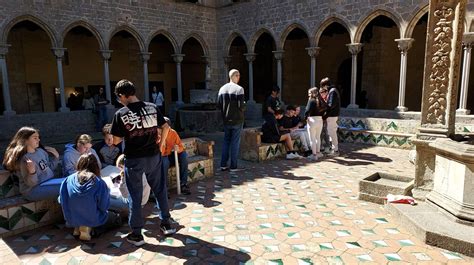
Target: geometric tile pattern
x=8, y=184
x=277, y=212
x=374, y=138
x=18, y=214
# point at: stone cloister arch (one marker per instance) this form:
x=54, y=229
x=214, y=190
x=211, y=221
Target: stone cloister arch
x=193, y=66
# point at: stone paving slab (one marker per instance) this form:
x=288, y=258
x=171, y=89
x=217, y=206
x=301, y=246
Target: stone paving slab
x=279, y=212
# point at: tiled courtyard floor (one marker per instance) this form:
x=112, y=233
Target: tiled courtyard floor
x=280, y=212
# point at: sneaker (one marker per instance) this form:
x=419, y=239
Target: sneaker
x=237, y=169
x=185, y=189
x=224, y=168
x=136, y=240
x=297, y=156
x=167, y=229
x=313, y=157
x=290, y=156
x=333, y=153
x=319, y=155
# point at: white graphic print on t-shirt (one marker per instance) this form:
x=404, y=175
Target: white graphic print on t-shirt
x=146, y=119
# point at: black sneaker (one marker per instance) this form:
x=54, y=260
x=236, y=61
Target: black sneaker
x=136, y=240
x=185, y=189
x=224, y=168
x=167, y=229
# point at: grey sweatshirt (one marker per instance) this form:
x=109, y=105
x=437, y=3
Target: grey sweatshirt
x=71, y=156
x=44, y=170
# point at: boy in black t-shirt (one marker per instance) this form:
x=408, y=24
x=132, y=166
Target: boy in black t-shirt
x=272, y=103
x=142, y=126
x=290, y=124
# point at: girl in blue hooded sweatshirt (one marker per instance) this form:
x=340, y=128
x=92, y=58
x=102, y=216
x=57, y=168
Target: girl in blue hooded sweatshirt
x=33, y=164
x=85, y=200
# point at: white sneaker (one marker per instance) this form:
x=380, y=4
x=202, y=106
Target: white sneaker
x=298, y=156
x=333, y=153
x=319, y=155
x=312, y=157
x=290, y=156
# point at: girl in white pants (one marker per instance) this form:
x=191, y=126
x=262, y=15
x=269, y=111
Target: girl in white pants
x=315, y=110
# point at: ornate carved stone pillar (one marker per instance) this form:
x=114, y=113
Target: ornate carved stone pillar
x=279, y=57
x=468, y=40
x=145, y=57
x=313, y=52
x=403, y=45
x=250, y=57
x=443, y=50
x=354, y=49
x=227, y=60
x=207, y=75
x=106, y=57
x=178, y=58
x=5, y=84
x=59, y=53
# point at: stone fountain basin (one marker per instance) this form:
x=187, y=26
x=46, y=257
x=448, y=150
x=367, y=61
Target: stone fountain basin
x=377, y=186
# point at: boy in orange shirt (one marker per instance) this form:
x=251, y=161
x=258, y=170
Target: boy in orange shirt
x=169, y=158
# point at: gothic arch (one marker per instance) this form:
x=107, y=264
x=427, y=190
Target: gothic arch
x=288, y=30
x=380, y=12
x=411, y=25
x=87, y=26
x=327, y=23
x=167, y=35
x=38, y=21
x=130, y=30
x=256, y=36
x=231, y=39
x=205, y=48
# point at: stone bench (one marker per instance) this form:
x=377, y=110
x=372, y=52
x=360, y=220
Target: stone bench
x=17, y=214
x=200, y=161
x=253, y=149
x=373, y=137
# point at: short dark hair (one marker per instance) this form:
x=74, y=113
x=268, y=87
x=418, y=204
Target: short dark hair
x=290, y=107
x=325, y=82
x=125, y=88
x=278, y=112
x=275, y=88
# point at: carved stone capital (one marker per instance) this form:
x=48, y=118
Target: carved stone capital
x=58, y=52
x=4, y=50
x=178, y=57
x=354, y=48
x=250, y=57
x=278, y=54
x=227, y=60
x=313, y=51
x=404, y=44
x=105, y=54
x=145, y=56
x=206, y=59
x=468, y=39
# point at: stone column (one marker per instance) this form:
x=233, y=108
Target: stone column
x=145, y=56
x=178, y=58
x=250, y=57
x=279, y=57
x=59, y=53
x=313, y=52
x=6, y=85
x=227, y=61
x=468, y=40
x=106, y=57
x=440, y=86
x=354, y=49
x=403, y=45
x=207, y=75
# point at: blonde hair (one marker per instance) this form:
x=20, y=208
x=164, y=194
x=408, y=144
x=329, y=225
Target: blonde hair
x=233, y=72
x=83, y=139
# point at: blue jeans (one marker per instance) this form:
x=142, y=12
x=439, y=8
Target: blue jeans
x=39, y=193
x=102, y=118
x=134, y=169
x=232, y=144
x=183, y=166
x=118, y=204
